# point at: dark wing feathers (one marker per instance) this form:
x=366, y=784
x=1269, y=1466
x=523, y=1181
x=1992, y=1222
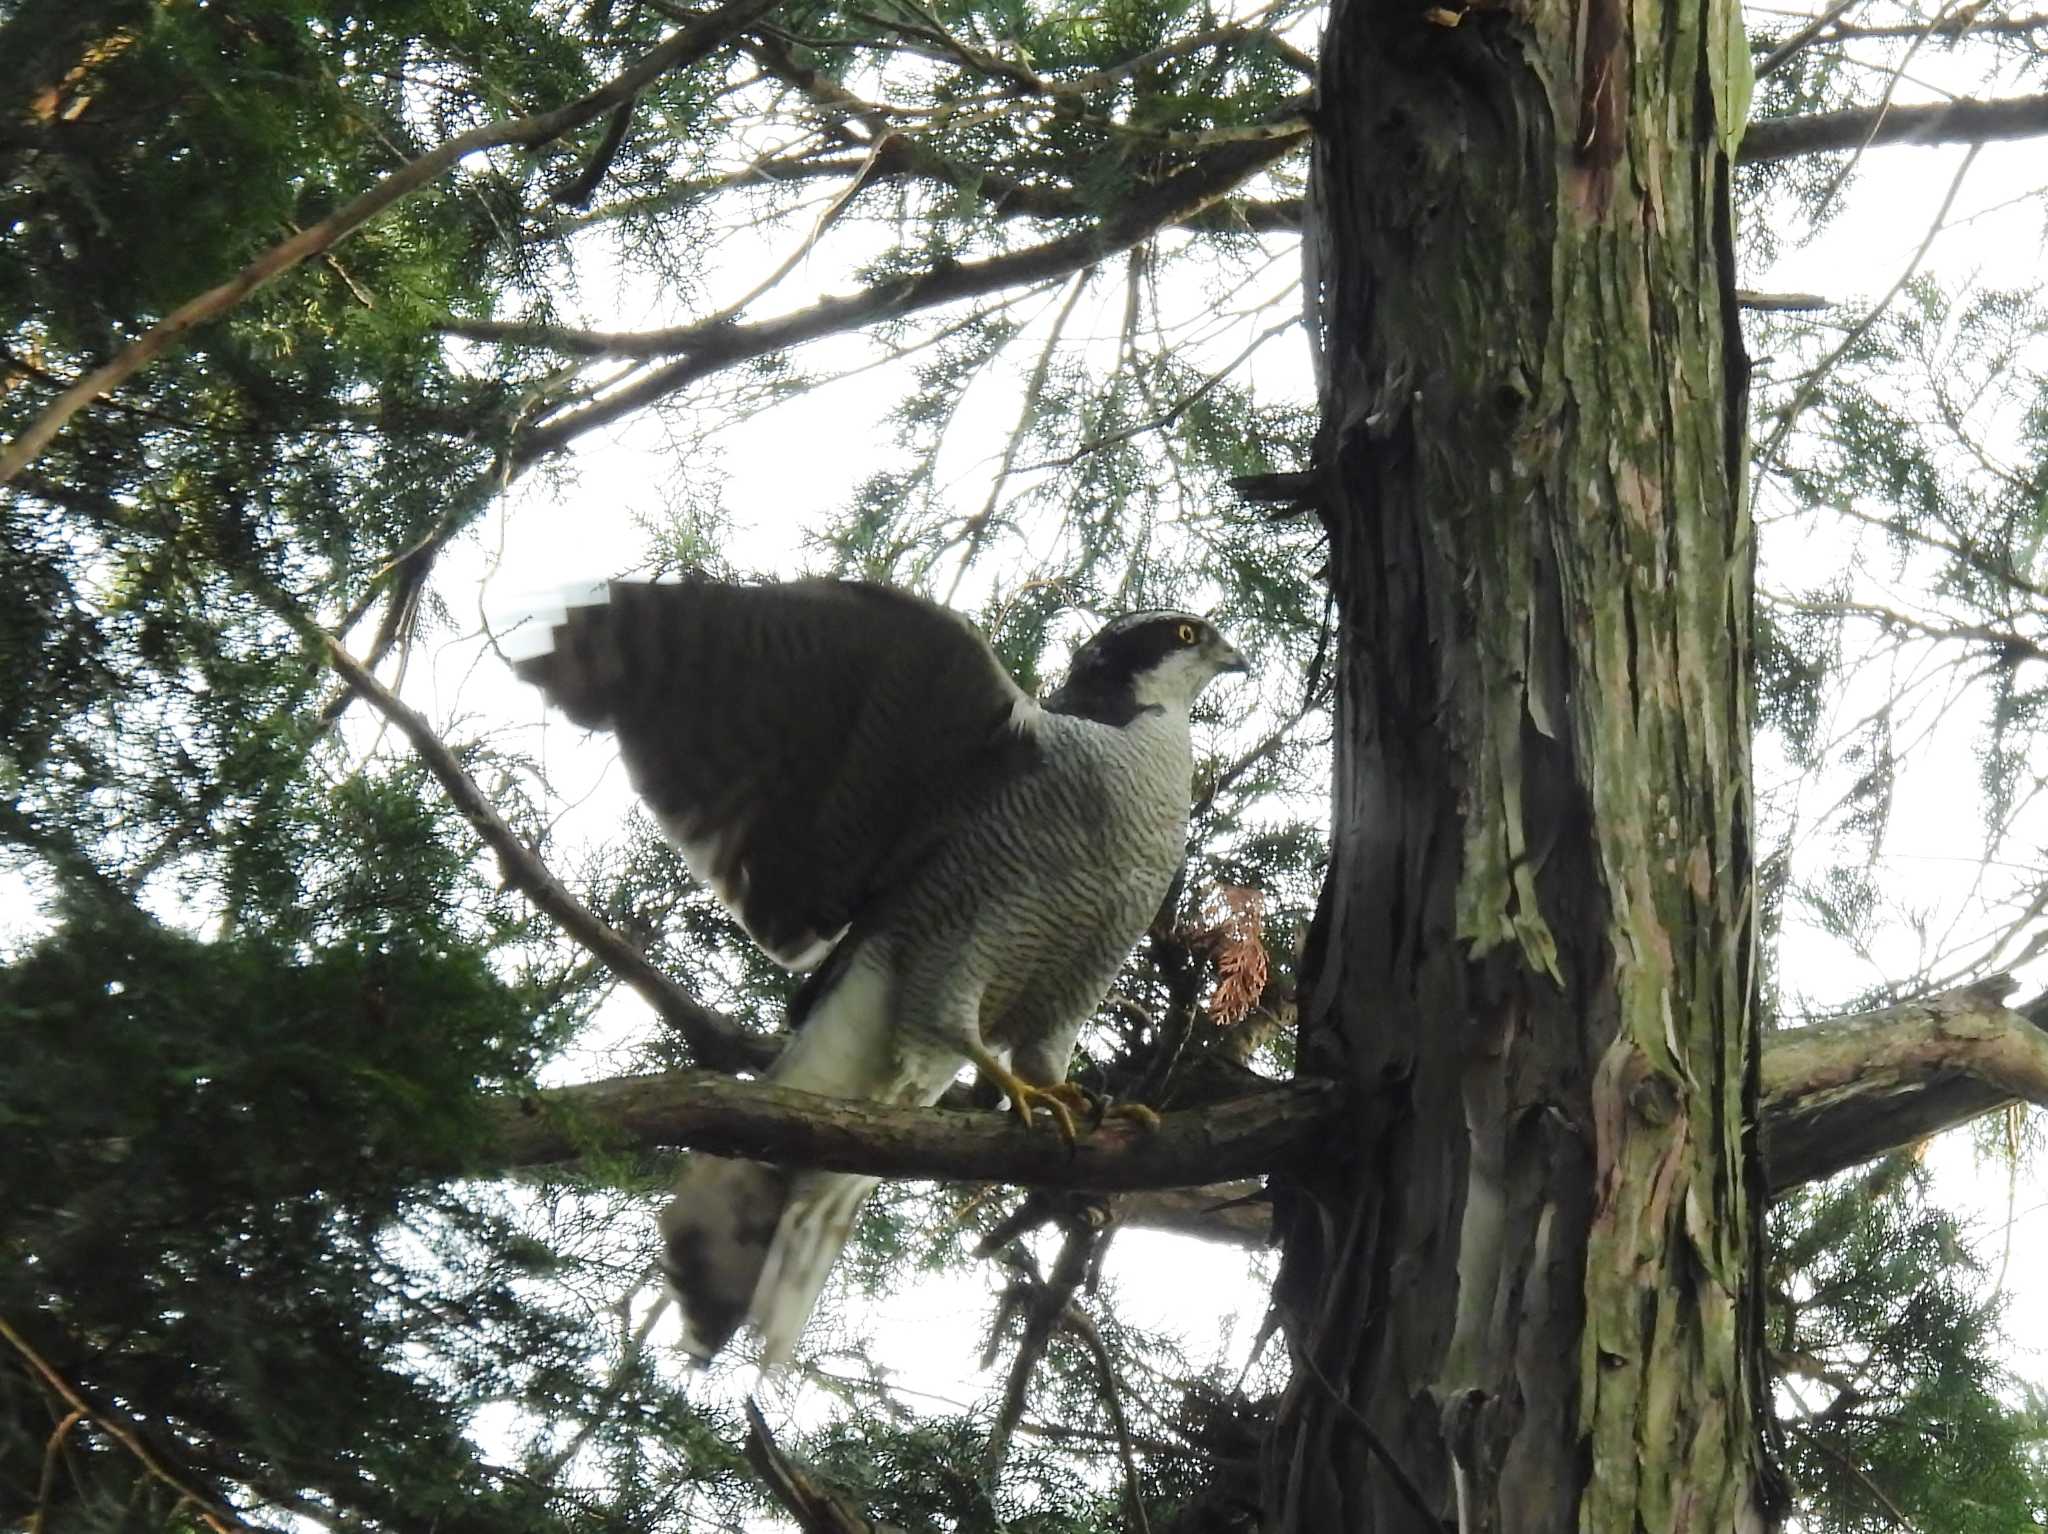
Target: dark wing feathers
x=801, y=742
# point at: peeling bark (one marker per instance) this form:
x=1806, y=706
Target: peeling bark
x=1528, y=1268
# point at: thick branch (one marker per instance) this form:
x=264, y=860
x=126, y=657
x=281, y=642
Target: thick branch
x=682, y=47
x=1784, y=138
x=1834, y=1095
x=1843, y=1092
x=1947, y=122
x=710, y=1112
x=1234, y=1213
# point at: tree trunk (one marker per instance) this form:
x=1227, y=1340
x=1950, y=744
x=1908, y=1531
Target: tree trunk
x=1526, y=1297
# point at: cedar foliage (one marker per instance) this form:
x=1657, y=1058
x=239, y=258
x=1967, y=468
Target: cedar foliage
x=266, y=977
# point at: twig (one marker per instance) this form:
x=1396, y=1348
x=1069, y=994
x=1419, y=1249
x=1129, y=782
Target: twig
x=1173, y=412
x=1810, y=385
x=715, y=1040
x=1892, y=1510
x=630, y=1349
x=1049, y=1300
x=1081, y=1326
x=975, y=532
x=1181, y=196
x=53, y=1446
x=220, y=1519
x=684, y=47
x=1776, y=58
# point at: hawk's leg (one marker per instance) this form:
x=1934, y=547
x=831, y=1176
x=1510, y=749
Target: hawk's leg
x=1097, y=1107
x=1023, y=1096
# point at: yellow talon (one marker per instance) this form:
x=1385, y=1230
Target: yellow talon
x=1100, y=1108
x=1024, y=1096
x=1137, y=1112
x=1065, y=1101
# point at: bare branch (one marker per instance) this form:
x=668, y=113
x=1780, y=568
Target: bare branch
x=680, y=48
x=707, y=1111
x=1970, y=23
x=1843, y=1092
x=1943, y=122
x=1806, y=34
x=709, y=349
x=815, y=1507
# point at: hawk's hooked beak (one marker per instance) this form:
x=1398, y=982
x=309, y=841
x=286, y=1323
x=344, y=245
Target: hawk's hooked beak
x=1225, y=656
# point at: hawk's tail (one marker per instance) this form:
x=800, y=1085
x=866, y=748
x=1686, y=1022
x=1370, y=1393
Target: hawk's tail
x=715, y=1235
x=746, y=1242
x=816, y=1222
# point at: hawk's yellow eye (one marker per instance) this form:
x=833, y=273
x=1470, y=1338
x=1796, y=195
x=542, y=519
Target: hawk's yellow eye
x=1186, y=633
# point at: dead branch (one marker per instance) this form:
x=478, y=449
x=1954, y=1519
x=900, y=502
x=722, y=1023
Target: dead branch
x=815, y=1507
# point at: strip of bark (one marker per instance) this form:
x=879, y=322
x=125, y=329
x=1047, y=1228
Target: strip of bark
x=707, y=1111
x=1842, y=1092
x=680, y=49
x=1944, y=122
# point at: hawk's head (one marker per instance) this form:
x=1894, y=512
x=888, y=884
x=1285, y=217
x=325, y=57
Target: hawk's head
x=1141, y=661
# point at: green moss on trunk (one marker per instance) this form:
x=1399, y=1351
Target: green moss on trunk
x=1534, y=956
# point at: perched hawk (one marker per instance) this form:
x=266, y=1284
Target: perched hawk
x=964, y=870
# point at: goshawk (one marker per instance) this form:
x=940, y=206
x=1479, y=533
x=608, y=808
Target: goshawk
x=963, y=869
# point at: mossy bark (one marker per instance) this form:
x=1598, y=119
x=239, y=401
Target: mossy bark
x=1531, y=1279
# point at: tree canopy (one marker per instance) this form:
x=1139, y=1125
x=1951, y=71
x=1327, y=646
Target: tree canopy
x=345, y=1053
